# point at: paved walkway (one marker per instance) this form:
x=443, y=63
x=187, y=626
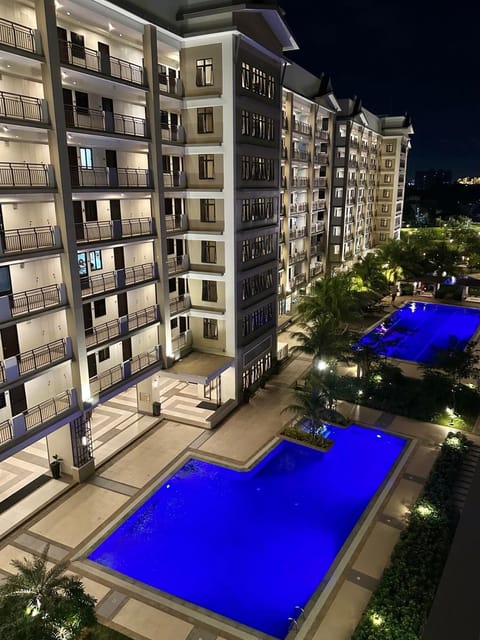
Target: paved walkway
x=73, y=522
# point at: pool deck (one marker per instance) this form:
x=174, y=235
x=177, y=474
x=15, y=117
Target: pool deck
x=76, y=518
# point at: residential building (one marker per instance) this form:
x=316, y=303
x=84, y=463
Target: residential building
x=369, y=173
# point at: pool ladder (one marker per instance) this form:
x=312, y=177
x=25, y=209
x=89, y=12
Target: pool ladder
x=299, y=614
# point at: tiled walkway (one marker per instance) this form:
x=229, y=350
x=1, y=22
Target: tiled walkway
x=74, y=522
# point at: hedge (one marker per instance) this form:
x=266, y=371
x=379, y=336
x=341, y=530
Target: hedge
x=399, y=607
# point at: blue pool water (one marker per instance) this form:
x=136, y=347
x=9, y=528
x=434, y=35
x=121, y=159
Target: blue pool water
x=252, y=545
x=414, y=331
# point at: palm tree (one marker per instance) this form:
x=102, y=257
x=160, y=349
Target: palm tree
x=38, y=603
x=321, y=339
x=311, y=404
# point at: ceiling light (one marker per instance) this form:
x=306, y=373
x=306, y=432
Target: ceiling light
x=5, y=129
x=68, y=13
x=110, y=26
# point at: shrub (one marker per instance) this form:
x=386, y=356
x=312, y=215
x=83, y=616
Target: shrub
x=399, y=607
x=317, y=440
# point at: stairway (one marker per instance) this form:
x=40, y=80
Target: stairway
x=465, y=477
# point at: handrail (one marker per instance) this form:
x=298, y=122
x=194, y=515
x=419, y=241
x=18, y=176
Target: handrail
x=18, y=106
x=33, y=299
x=46, y=410
x=41, y=356
x=105, y=121
x=25, y=174
x=6, y=431
x=120, y=177
x=17, y=240
x=17, y=35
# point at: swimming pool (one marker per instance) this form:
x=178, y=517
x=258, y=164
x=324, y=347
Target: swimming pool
x=417, y=329
x=252, y=545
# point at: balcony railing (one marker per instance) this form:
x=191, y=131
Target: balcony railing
x=41, y=356
x=19, y=107
x=140, y=273
x=113, y=229
x=318, y=227
x=319, y=182
x=301, y=127
x=172, y=133
x=29, y=239
x=47, y=410
x=26, y=175
x=100, y=283
x=299, y=207
x=172, y=86
x=123, y=371
x=323, y=135
x=111, y=177
x=96, y=120
x=176, y=222
x=299, y=256
x=102, y=333
x=320, y=159
x=299, y=279
x=143, y=317
x=302, y=156
x=80, y=56
x=120, y=326
x=182, y=303
x=175, y=179
x=316, y=249
x=314, y=271
x=35, y=299
x=17, y=36
x=298, y=233
x=6, y=432
x=300, y=182
x=181, y=341
x=177, y=264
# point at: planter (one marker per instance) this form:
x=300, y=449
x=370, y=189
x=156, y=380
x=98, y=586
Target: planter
x=55, y=468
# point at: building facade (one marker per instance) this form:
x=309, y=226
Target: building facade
x=167, y=187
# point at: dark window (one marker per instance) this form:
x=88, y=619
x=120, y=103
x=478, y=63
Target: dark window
x=174, y=323
x=204, y=76
x=209, y=291
x=81, y=101
x=78, y=45
x=205, y=120
x=3, y=402
x=100, y=308
x=209, y=252
x=206, y=167
x=172, y=285
x=210, y=329
x=103, y=354
x=207, y=210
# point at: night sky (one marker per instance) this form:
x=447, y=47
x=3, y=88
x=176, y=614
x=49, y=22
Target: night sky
x=416, y=56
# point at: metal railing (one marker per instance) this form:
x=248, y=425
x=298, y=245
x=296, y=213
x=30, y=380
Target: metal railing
x=102, y=332
x=303, y=156
x=320, y=159
x=316, y=270
x=99, y=283
x=173, y=133
x=6, y=432
x=140, y=273
x=137, y=227
x=300, y=279
x=318, y=227
x=300, y=182
x=319, y=182
x=317, y=205
x=47, y=410
x=301, y=127
x=144, y=360
x=299, y=207
x=110, y=177
x=176, y=264
x=172, y=86
x=323, y=135
x=142, y=317
x=175, y=179
x=106, y=379
x=20, y=107
x=297, y=257
x=298, y=233
x=26, y=174
x=106, y=229
x=96, y=230
x=92, y=60
x=17, y=36
x=34, y=299
x=182, y=340
x=182, y=303
x=176, y=222
x=17, y=240
x=41, y=356
x=98, y=120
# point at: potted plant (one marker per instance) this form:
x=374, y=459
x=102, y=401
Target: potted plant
x=55, y=466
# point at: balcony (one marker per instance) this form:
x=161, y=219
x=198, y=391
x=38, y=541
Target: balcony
x=319, y=182
x=172, y=86
x=38, y=358
x=120, y=372
x=323, y=135
x=297, y=233
x=110, y=177
x=29, y=239
x=354, y=143
x=178, y=264
x=91, y=60
x=171, y=133
x=316, y=270
x=301, y=127
x=46, y=411
x=318, y=227
x=175, y=180
x=26, y=175
x=320, y=159
x=176, y=223
x=18, y=107
x=6, y=431
x=281, y=265
x=299, y=280
x=111, y=280
x=182, y=303
x=316, y=249
x=298, y=256
x=182, y=341
x=17, y=304
x=299, y=207
x=103, y=333
x=300, y=183
x=17, y=36
x=96, y=120
x=113, y=229
x=302, y=156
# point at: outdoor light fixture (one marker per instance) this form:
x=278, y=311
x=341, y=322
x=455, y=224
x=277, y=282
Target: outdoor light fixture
x=322, y=365
x=84, y=441
x=376, y=619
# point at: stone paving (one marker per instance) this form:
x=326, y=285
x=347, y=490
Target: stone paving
x=75, y=520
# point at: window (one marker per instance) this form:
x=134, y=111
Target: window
x=245, y=75
x=386, y=193
x=3, y=402
x=81, y=102
x=340, y=173
x=78, y=45
x=336, y=249
x=389, y=148
x=383, y=222
x=209, y=291
x=205, y=120
x=388, y=164
x=337, y=212
x=95, y=260
x=207, y=210
x=342, y=130
x=86, y=158
x=103, y=354
x=173, y=324
x=209, y=252
x=387, y=179
x=100, y=308
x=338, y=192
x=206, y=167
x=172, y=285
x=204, y=75
x=210, y=329
x=383, y=236
x=245, y=123
x=385, y=208
x=82, y=264
x=337, y=231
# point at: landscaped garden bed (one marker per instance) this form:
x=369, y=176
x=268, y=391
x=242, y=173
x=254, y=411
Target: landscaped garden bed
x=399, y=607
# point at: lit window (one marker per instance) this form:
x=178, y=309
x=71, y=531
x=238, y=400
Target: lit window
x=207, y=210
x=210, y=329
x=205, y=120
x=204, y=76
x=86, y=158
x=206, y=167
